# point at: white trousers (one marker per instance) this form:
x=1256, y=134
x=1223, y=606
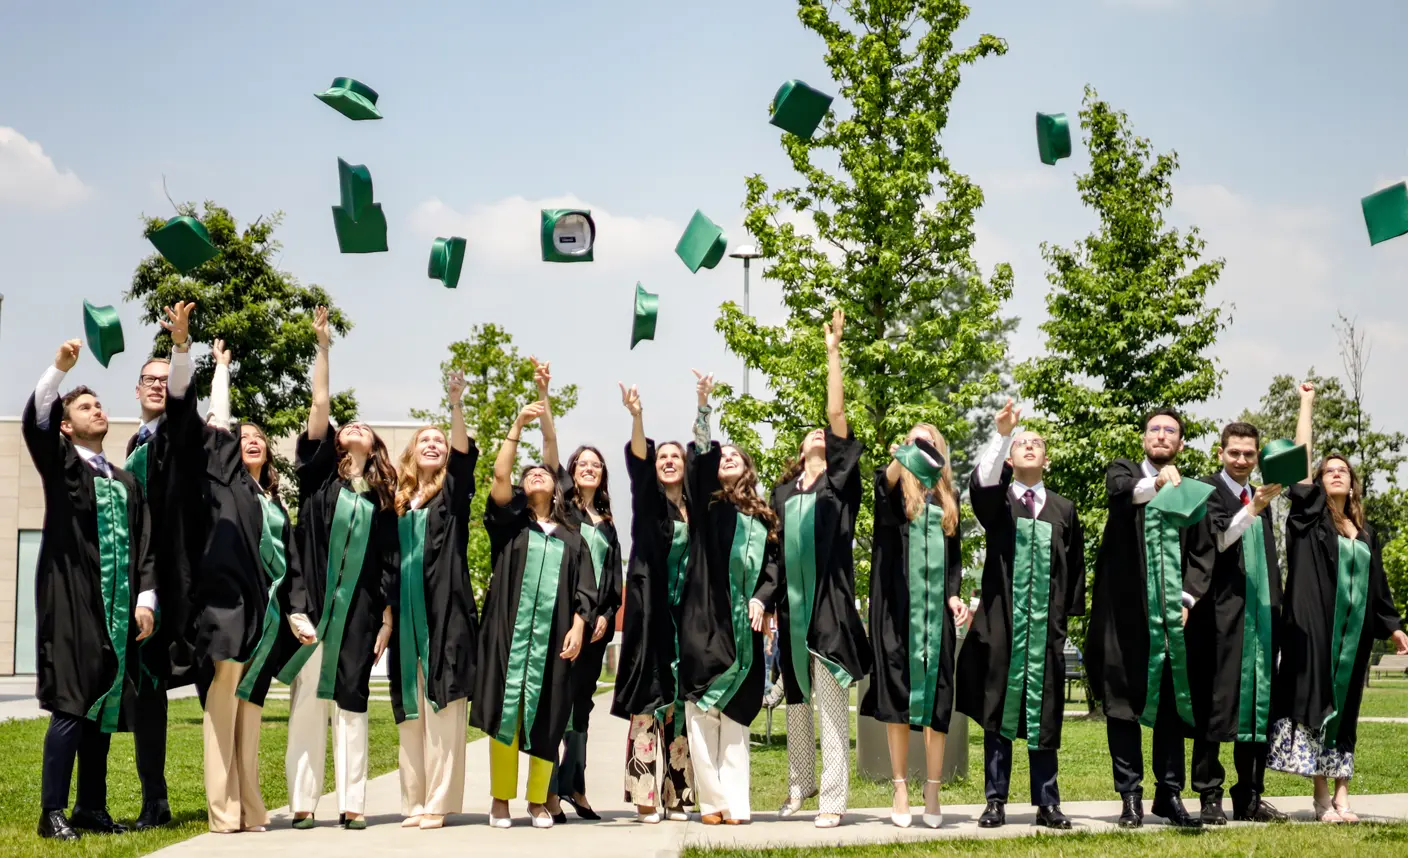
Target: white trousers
x=718, y=748
x=432, y=757
x=306, y=758
x=833, y=705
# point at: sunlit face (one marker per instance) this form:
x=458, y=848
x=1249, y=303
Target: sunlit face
x=1335, y=477
x=815, y=442
x=356, y=437
x=669, y=465
x=1162, y=439
x=151, y=386
x=1239, y=457
x=920, y=432
x=254, y=451
x=588, y=470
x=539, y=483
x=86, y=419
x=731, y=465
x=431, y=450
x=1028, y=451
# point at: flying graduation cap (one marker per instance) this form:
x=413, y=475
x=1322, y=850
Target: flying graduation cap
x=185, y=243
x=647, y=311
x=703, y=243
x=568, y=235
x=351, y=98
x=1386, y=213
x=446, y=259
x=360, y=223
x=103, y=329
x=799, y=108
x=1053, y=137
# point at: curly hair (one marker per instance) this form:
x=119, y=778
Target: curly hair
x=408, y=481
x=377, y=471
x=743, y=494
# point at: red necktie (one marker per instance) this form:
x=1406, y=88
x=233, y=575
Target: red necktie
x=1246, y=497
x=1029, y=501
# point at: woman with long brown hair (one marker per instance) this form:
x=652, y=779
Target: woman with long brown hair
x=1335, y=605
x=341, y=603
x=915, y=572
x=434, y=651
x=730, y=585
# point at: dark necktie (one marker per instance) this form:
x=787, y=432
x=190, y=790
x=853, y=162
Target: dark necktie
x=1246, y=497
x=1029, y=501
x=143, y=436
x=100, y=464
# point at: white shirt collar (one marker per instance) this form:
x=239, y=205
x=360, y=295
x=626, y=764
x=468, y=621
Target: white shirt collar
x=86, y=453
x=1149, y=469
x=151, y=425
x=1232, y=484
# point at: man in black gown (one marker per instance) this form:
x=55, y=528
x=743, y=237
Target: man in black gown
x=1119, y=653
x=95, y=597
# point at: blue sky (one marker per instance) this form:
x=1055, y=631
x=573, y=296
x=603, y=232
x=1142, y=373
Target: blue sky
x=1284, y=114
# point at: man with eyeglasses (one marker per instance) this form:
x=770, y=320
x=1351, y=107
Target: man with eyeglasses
x=1229, y=635
x=1012, y=667
x=1135, y=656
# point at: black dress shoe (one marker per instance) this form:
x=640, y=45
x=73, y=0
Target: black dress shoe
x=559, y=818
x=1258, y=810
x=53, y=825
x=97, y=821
x=154, y=815
x=1170, y=807
x=994, y=816
x=1132, y=816
x=584, y=811
x=1211, y=813
x=1050, y=816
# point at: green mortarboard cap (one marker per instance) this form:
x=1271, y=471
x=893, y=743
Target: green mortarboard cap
x=351, y=98
x=104, y=331
x=355, y=182
x=568, y=235
x=703, y=243
x=922, y=459
x=1386, y=213
x=646, y=312
x=184, y=243
x=446, y=259
x=1053, y=137
x=1284, y=462
x=366, y=235
x=799, y=109
x=1187, y=501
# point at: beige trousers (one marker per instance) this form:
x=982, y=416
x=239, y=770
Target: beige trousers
x=231, y=728
x=718, y=748
x=306, y=758
x=432, y=757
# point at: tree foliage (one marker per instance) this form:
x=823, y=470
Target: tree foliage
x=890, y=238
x=498, y=383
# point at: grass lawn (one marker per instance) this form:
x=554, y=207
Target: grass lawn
x=21, y=747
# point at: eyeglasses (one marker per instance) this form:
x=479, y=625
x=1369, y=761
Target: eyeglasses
x=1341, y=471
x=1033, y=443
x=1161, y=430
x=149, y=381
x=1240, y=455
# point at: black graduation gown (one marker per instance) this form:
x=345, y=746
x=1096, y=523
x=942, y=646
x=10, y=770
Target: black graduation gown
x=645, y=678
x=76, y=661
x=835, y=632
x=708, y=652
x=985, y=662
x=587, y=669
x=888, y=699
x=378, y=575
x=452, y=619
x=1216, y=622
x=543, y=684
x=230, y=585
x=1303, y=688
x=1117, y=640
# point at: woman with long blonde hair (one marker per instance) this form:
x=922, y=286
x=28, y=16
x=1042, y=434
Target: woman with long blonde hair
x=915, y=571
x=435, y=649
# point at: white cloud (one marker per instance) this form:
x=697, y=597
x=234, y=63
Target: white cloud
x=29, y=179
x=1025, y=181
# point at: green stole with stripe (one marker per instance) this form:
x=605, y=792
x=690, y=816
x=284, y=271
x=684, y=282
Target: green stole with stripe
x=274, y=559
x=532, y=626
x=139, y=466
x=928, y=568
x=676, y=563
x=1163, y=562
x=1254, y=693
x=1351, y=600
x=799, y=554
x=114, y=559
x=1031, y=602
x=745, y=563
x=596, y=542
x=412, y=627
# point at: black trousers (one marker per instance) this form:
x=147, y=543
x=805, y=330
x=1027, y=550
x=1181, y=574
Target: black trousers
x=149, y=739
x=67, y=739
x=1249, y=758
x=1127, y=748
x=997, y=771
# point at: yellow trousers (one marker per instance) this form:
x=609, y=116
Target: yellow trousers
x=503, y=771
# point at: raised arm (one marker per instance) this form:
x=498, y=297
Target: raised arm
x=631, y=399
x=501, y=490
x=1304, y=421
x=321, y=410
x=542, y=377
x=41, y=429
x=459, y=433
x=704, y=386
x=835, y=385
x=220, y=387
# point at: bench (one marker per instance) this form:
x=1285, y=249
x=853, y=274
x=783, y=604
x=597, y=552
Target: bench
x=1390, y=665
x=1075, y=670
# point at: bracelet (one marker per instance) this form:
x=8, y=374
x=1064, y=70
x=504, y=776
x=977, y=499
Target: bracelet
x=510, y=438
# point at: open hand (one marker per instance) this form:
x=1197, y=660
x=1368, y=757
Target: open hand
x=1007, y=418
x=756, y=615
x=67, y=355
x=630, y=399
x=220, y=353
x=1264, y=495
x=146, y=623
x=832, y=329
x=178, y=322
x=320, y=326
x=532, y=411
x=542, y=376
x=704, y=386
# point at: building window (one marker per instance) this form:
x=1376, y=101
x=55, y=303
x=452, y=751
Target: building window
x=24, y=601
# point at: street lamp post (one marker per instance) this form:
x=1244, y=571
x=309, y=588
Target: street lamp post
x=747, y=253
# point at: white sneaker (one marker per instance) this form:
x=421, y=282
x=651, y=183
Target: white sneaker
x=648, y=818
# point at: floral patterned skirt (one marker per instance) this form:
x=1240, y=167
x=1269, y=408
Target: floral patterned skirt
x=1300, y=750
x=658, y=771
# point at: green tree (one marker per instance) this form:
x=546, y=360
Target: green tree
x=890, y=245
x=1129, y=322
x=498, y=383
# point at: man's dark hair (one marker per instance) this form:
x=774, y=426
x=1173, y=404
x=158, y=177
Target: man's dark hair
x=1239, y=429
x=74, y=394
x=1163, y=412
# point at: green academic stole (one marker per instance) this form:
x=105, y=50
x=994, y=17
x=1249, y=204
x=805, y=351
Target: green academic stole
x=927, y=573
x=138, y=464
x=347, y=544
x=274, y=558
x=114, y=558
x=1163, y=585
x=745, y=563
x=412, y=628
x=1031, y=599
x=675, y=566
x=799, y=553
x=1351, y=591
x=532, y=626
x=1254, y=697
x=596, y=541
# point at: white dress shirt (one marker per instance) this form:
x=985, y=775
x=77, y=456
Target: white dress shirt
x=1242, y=520
x=990, y=473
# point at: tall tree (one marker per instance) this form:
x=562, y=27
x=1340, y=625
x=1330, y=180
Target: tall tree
x=498, y=383
x=888, y=240
x=1129, y=321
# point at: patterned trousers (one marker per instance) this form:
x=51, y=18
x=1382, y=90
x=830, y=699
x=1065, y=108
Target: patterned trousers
x=833, y=707
x=658, y=771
